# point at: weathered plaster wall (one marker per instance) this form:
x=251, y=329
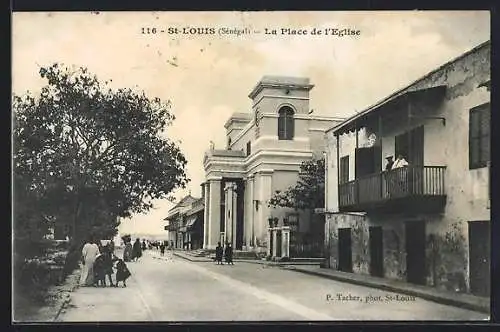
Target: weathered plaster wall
x=447, y=251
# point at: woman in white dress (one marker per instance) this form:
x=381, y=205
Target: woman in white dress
x=89, y=253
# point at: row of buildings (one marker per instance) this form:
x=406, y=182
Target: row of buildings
x=427, y=223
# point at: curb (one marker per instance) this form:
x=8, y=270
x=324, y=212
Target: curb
x=251, y=261
x=67, y=299
x=191, y=259
x=396, y=289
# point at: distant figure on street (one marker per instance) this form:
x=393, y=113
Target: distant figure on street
x=144, y=247
x=218, y=253
x=127, y=252
x=136, y=250
x=228, y=254
x=90, y=252
x=162, y=249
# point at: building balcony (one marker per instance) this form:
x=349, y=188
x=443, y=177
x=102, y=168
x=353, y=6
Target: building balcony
x=412, y=189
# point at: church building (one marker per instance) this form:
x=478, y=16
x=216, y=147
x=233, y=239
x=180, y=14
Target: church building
x=264, y=151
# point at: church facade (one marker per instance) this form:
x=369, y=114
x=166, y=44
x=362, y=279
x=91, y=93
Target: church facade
x=264, y=151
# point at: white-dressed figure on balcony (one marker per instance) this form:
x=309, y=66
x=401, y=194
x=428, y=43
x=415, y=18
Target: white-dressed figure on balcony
x=399, y=162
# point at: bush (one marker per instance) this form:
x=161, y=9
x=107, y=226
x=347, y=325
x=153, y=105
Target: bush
x=71, y=262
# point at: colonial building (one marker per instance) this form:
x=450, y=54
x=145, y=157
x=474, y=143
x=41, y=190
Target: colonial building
x=193, y=228
x=264, y=151
x=429, y=222
x=185, y=223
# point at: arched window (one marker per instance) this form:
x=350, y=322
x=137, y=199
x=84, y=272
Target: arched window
x=285, y=123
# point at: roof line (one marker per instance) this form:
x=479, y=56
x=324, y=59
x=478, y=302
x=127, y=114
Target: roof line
x=421, y=78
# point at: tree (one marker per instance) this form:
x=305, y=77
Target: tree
x=309, y=191
x=84, y=152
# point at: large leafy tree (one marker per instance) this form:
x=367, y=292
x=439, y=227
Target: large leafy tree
x=85, y=153
x=308, y=192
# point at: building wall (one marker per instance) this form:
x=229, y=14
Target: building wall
x=444, y=145
x=273, y=164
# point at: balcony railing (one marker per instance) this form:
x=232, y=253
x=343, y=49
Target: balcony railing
x=410, y=181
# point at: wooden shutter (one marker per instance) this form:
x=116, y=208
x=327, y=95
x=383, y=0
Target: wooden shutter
x=344, y=169
x=289, y=125
x=416, y=150
x=401, y=145
x=485, y=135
x=249, y=148
x=281, y=125
x=479, y=136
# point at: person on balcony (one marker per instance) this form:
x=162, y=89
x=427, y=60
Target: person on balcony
x=400, y=162
x=387, y=178
x=390, y=163
x=401, y=175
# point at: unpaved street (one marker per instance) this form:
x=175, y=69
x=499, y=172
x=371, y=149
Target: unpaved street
x=173, y=289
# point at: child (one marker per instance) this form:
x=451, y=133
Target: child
x=122, y=272
x=99, y=273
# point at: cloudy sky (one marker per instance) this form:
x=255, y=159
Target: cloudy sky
x=208, y=77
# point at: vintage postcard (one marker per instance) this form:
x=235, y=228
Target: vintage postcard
x=251, y=166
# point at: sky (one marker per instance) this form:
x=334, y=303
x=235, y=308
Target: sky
x=207, y=77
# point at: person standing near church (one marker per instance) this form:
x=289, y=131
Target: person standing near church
x=228, y=254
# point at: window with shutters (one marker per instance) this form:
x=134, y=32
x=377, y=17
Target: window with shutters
x=479, y=136
x=286, y=123
x=344, y=170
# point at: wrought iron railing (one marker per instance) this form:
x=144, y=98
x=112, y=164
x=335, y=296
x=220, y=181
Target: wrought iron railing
x=396, y=183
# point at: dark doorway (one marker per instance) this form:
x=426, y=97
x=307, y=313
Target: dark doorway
x=415, y=252
x=278, y=243
x=368, y=161
x=271, y=246
x=479, y=257
x=376, y=252
x=345, y=250
x=240, y=213
x=411, y=146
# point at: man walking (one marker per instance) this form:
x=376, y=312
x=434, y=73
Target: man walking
x=162, y=248
x=229, y=254
x=218, y=254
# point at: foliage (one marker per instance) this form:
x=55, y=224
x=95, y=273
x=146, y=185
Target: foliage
x=308, y=193
x=85, y=154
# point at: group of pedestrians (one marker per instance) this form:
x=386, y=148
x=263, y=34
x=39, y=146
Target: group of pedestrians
x=97, y=263
x=227, y=253
x=132, y=253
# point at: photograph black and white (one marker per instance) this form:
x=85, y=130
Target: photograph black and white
x=251, y=166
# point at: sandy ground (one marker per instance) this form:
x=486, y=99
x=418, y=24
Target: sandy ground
x=172, y=289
